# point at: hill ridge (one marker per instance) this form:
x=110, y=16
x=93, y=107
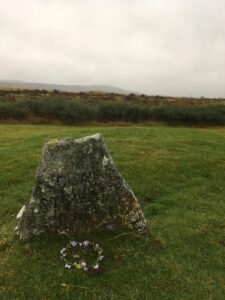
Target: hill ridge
x=62, y=87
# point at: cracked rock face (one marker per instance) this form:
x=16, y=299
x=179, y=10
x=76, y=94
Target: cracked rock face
x=78, y=189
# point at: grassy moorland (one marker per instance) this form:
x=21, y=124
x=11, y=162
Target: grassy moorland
x=178, y=174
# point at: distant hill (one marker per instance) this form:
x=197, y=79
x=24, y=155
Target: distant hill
x=61, y=87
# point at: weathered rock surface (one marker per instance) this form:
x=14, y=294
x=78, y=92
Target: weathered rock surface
x=78, y=189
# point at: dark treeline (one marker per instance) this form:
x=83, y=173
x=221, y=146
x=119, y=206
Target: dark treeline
x=68, y=112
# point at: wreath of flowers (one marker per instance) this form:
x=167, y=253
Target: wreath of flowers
x=70, y=251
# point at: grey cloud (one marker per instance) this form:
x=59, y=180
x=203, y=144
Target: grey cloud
x=163, y=47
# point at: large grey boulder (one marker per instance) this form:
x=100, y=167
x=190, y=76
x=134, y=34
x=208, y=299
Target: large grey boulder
x=78, y=189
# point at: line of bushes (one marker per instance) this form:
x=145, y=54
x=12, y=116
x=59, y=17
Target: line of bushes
x=59, y=109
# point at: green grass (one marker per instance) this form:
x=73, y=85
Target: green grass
x=178, y=174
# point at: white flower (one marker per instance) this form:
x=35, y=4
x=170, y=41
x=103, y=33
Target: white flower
x=86, y=243
x=67, y=266
x=73, y=243
x=96, y=266
x=96, y=247
x=83, y=264
x=62, y=250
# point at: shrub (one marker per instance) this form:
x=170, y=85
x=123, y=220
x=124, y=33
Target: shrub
x=15, y=111
x=122, y=111
x=191, y=115
x=58, y=109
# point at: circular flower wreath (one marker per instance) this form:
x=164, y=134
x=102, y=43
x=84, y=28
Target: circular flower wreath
x=69, y=252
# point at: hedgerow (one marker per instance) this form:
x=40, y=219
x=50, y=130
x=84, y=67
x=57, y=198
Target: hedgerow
x=72, y=112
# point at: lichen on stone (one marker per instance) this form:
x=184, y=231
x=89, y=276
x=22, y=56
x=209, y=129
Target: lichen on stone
x=78, y=189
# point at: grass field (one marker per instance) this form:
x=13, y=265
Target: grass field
x=178, y=174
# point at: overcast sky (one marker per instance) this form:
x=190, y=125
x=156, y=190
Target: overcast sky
x=166, y=47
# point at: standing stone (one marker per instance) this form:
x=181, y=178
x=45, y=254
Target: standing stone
x=78, y=189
